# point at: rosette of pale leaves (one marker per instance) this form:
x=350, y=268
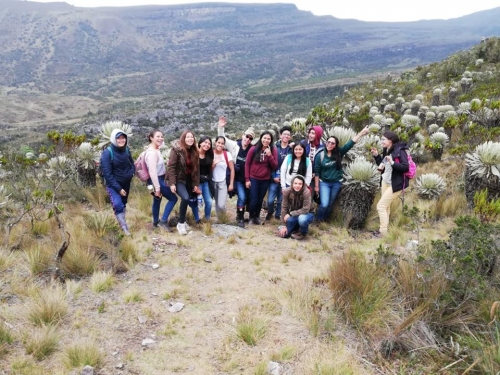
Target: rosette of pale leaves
x=86, y=156
x=441, y=138
x=379, y=119
x=410, y=121
x=430, y=115
x=419, y=97
x=343, y=134
x=485, y=160
x=430, y=186
x=361, y=174
x=58, y=166
x=4, y=197
x=298, y=125
x=108, y=127
x=374, y=128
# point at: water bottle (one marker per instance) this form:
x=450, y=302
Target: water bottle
x=200, y=201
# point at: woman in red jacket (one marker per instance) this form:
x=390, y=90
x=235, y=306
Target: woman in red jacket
x=262, y=160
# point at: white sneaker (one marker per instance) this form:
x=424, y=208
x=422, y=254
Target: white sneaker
x=181, y=228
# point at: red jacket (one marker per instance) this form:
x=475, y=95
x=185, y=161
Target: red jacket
x=262, y=168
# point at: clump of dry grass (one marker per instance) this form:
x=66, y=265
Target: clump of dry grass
x=128, y=252
x=223, y=218
x=41, y=342
x=83, y=354
x=101, y=223
x=132, y=295
x=49, y=307
x=39, y=258
x=361, y=291
x=207, y=228
x=5, y=260
x=101, y=281
x=96, y=196
x=249, y=328
x=41, y=228
x=80, y=260
x=6, y=339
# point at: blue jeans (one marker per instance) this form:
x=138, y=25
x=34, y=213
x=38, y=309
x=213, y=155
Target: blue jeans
x=168, y=195
x=243, y=194
x=117, y=201
x=258, y=190
x=328, y=192
x=207, y=198
x=300, y=223
x=273, y=193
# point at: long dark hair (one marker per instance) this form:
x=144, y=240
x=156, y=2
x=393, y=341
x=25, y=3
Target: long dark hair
x=258, y=145
x=394, y=138
x=190, y=152
x=152, y=134
x=335, y=152
x=209, y=155
x=302, y=170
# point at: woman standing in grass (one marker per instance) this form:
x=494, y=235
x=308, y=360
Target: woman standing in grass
x=183, y=174
x=296, y=163
x=221, y=163
x=394, y=164
x=328, y=172
x=206, y=155
x=156, y=169
x=261, y=161
x=118, y=169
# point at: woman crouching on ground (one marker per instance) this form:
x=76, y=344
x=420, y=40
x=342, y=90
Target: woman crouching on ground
x=296, y=210
x=156, y=170
x=183, y=174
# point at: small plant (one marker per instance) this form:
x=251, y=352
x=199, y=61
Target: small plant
x=49, y=307
x=38, y=259
x=80, y=261
x=101, y=281
x=249, y=328
x=207, y=228
x=83, y=354
x=101, y=223
x=223, y=218
x=128, y=252
x=5, y=339
x=486, y=210
x=430, y=186
x=41, y=343
x=132, y=295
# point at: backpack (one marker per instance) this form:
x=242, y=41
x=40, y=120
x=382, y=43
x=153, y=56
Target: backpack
x=100, y=172
x=141, y=169
x=412, y=167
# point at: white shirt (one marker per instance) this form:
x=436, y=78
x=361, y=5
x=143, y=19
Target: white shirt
x=219, y=172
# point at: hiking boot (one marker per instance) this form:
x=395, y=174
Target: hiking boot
x=164, y=225
x=181, y=228
x=269, y=216
x=298, y=236
x=256, y=221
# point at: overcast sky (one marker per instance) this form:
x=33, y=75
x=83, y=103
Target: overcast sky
x=365, y=10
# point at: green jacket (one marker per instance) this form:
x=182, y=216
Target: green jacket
x=326, y=168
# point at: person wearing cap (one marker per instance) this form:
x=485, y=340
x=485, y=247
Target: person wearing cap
x=296, y=210
x=118, y=169
x=239, y=150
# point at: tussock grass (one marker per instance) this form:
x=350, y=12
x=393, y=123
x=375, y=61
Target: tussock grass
x=6, y=339
x=6, y=260
x=129, y=253
x=80, y=261
x=96, y=196
x=207, y=228
x=223, y=217
x=101, y=281
x=250, y=328
x=41, y=228
x=361, y=291
x=39, y=258
x=132, y=295
x=284, y=354
x=101, y=223
x=41, y=342
x=83, y=354
x=25, y=366
x=328, y=360
x=49, y=307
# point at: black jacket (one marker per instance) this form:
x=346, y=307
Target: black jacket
x=398, y=153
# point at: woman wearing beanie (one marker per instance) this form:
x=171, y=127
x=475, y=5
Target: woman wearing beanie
x=118, y=169
x=296, y=209
x=394, y=164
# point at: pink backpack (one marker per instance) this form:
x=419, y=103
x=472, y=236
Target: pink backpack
x=141, y=169
x=412, y=171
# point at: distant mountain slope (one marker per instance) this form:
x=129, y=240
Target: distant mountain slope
x=56, y=47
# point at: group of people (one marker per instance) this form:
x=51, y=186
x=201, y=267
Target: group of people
x=289, y=173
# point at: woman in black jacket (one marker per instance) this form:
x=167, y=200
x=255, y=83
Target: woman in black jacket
x=393, y=164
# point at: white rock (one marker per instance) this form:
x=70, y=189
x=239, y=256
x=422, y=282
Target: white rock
x=147, y=342
x=87, y=370
x=142, y=319
x=176, y=307
x=155, y=266
x=273, y=368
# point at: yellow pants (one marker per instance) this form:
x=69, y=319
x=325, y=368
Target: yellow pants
x=384, y=206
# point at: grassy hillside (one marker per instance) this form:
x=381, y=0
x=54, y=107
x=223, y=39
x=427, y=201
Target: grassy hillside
x=422, y=300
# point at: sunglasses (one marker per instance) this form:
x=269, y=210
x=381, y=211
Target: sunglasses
x=330, y=142
x=249, y=137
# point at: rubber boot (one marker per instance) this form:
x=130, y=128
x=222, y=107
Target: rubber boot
x=123, y=224
x=240, y=213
